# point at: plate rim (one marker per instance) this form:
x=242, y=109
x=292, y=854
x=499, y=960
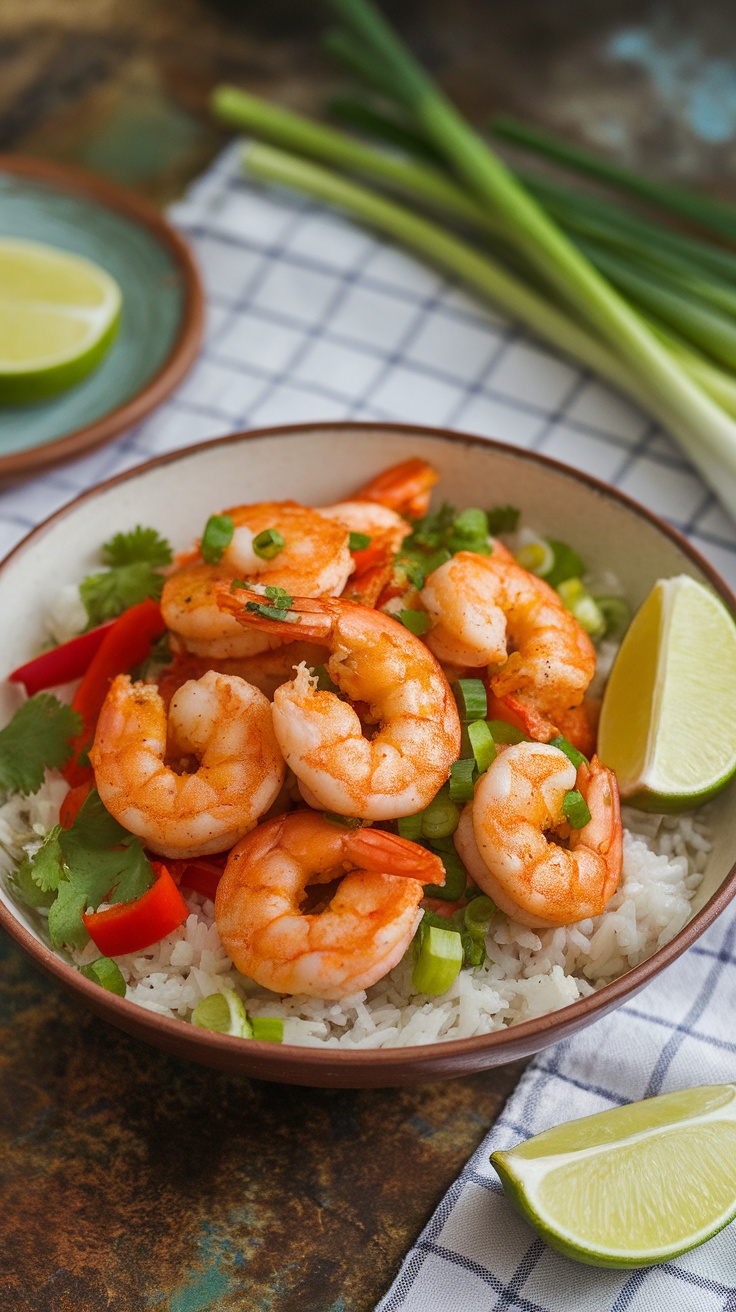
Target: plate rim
x=184, y=350
x=294, y=1063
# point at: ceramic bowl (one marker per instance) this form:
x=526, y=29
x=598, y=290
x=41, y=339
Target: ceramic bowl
x=319, y=463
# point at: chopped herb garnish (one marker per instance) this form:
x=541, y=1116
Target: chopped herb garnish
x=576, y=809
x=343, y=821
x=436, y=538
x=95, y=860
x=268, y=544
x=416, y=621
x=503, y=519
x=217, y=536
x=36, y=739
x=358, y=541
x=107, y=974
x=572, y=753
x=134, y=560
x=275, y=607
x=324, y=682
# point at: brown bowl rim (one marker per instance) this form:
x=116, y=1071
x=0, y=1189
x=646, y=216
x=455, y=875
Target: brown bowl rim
x=272, y=1060
x=184, y=349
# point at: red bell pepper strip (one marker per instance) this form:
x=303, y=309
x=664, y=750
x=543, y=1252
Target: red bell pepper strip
x=132, y=926
x=201, y=875
x=63, y=663
x=126, y=644
x=72, y=804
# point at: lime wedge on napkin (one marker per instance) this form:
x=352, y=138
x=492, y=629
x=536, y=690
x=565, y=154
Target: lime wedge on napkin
x=634, y=1185
x=58, y=315
x=668, y=722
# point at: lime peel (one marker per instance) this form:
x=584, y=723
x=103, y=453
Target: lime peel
x=633, y=1186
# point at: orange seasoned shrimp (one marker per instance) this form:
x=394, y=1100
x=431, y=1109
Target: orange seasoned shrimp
x=487, y=610
x=405, y=488
x=374, y=660
x=314, y=561
x=360, y=935
x=374, y=563
x=144, y=768
x=502, y=838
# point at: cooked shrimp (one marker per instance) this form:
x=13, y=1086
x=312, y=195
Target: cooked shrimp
x=374, y=660
x=360, y=935
x=374, y=564
x=405, y=488
x=487, y=610
x=143, y=768
x=314, y=561
x=502, y=838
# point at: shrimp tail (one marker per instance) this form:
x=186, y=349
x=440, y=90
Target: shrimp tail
x=376, y=849
x=314, y=617
x=405, y=488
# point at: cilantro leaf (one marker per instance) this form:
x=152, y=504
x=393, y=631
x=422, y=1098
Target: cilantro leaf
x=134, y=559
x=503, y=519
x=47, y=866
x=36, y=739
x=23, y=883
x=95, y=860
x=140, y=545
x=66, y=927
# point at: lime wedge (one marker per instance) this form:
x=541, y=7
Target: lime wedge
x=668, y=721
x=631, y=1186
x=58, y=315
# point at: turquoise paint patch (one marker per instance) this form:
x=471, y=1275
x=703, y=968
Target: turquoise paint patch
x=153, y=304
x=200, y=1291
x=699, y=88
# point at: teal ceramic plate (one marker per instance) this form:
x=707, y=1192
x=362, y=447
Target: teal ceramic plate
x=162, y=315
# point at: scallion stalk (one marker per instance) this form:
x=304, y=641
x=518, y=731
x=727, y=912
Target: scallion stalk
x=563, y=744
x=481, y=741
x=440, y=819
x=456, y=877
x=410, y=826
x=706, y=432
x=471, y=698
x=576, y=809
x=709, y=212
x=503, y=732
x=478, y=916
x=438, y=962
x=462, y=782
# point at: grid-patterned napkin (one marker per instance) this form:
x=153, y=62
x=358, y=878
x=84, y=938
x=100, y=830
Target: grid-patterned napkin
x=310, y=317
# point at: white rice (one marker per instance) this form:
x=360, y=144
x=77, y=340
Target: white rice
x=527, y=974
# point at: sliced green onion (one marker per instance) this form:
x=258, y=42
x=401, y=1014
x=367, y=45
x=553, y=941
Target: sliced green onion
x=456, y=878
x=107, y=974
x=410, y=826
x=576, y=809
x=478, y=916
x=471, y=698
x=217, y=536
x=441, y=818
x=343, y=821
x=268, y=543
x=536, y=557
x=324, y=682
x=224, y=1013
x=503, y=732
x=481, y=741
x=268, y=1029
x=503, y=519
x=462, y=783
x=439, y=960
x=474, y=951
x=567, y=563
x=564, y=745
x=616, y=613
x=577, y=599
x=358, y=541
x=416, y=621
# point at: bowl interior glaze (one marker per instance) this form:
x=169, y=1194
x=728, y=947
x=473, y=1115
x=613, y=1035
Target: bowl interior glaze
x=318, y=464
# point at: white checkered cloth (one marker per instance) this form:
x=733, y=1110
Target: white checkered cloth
x=309, y=318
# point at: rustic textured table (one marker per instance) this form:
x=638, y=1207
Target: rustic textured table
x=130, y=1180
